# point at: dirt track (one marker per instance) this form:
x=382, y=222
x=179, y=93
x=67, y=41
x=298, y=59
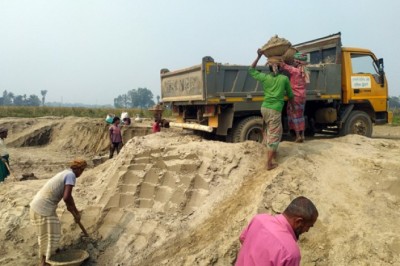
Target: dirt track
x=175, y=199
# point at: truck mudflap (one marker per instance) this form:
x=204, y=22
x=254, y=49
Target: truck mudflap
x=193, y=126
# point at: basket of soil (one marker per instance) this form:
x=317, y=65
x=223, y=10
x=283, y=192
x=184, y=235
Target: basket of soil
x=277, y=50
x=288, y=57
x=73, y=257
x=276, y=46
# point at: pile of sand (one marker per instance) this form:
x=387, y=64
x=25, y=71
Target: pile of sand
x=175, y=199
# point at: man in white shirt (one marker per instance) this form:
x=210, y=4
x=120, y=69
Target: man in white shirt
x=44, y=204
x=4, y=156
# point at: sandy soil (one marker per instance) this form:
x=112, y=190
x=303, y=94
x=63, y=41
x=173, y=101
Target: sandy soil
x=172, y=198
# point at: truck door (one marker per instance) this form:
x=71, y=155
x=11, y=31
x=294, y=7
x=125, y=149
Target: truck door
x=365, y=81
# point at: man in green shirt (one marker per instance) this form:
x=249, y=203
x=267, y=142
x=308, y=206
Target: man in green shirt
x=276, y=86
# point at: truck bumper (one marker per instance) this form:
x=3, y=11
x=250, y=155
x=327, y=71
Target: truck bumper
x=192, y=126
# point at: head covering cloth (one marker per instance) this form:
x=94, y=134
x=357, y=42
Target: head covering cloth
x=78, y=163
x=300, y=56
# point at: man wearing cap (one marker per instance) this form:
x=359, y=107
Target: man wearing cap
x=4, y=156
x=43, y=208
x=275, y=87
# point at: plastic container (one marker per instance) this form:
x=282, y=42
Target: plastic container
x=124, y=115
x=109, y=119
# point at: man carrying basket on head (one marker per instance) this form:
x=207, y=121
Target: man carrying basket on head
x=275, y=87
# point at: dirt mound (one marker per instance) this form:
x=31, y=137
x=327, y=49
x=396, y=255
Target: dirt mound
x=175, y=199
x=162, y=185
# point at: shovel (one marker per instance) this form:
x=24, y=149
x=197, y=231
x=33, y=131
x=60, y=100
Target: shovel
x=9, y=170
x=85, y=233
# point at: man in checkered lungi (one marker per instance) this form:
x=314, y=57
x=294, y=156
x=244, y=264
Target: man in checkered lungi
x=44, y=204
x=275, y=86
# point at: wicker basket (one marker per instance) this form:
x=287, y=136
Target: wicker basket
x=277, y=50
x=288, y=57
x=274, y=59
x=74, y=257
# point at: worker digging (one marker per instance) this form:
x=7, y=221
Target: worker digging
x=4, y=156
x=43, y=208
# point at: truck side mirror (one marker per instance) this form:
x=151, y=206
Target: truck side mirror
x=381, y=71
x=380, y=65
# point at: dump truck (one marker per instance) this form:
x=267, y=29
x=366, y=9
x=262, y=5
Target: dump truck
x=347, y=94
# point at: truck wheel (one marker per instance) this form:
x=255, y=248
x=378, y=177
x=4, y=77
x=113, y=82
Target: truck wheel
x=249, y=128
x=358, y=123
x=310, y=127
x=309, y=132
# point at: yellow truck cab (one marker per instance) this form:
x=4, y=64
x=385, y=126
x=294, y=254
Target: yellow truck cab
x=364, y=84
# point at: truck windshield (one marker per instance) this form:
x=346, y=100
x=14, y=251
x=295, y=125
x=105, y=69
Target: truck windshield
x=363, y=64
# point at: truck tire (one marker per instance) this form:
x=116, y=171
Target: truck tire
x=250, y=128
x=309, y=131
x=358, y=123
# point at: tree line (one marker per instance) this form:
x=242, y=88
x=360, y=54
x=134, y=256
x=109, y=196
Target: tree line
x=135, y=98
x=394, y=102
x=10, y=99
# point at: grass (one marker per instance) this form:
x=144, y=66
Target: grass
x=396, y=118
x=28, y=111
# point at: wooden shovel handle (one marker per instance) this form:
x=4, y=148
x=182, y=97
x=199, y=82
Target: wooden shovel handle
x=83, y=228
x=9, y=170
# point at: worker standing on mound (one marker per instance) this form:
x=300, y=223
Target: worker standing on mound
x=4, y=156
x=275, y=87
x=272, y=240
x=43, y=208
x=115, y=136
x=156, y=127
x=298, y=79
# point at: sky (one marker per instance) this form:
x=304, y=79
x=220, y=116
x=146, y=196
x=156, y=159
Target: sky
x=91, y=51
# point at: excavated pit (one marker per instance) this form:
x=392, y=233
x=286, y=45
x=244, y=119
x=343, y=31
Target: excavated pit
x=45, y=145
x=39, y=137
x=83, y=135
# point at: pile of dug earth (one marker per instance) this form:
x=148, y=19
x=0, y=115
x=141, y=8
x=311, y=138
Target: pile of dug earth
x=176, y=199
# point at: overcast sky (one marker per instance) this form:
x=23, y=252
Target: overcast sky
x=90, y=51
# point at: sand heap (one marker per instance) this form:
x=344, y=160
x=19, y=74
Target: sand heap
x=173, y=199
x=161, y=187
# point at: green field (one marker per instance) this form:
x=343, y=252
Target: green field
x=27, y=111
x=396, y=118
